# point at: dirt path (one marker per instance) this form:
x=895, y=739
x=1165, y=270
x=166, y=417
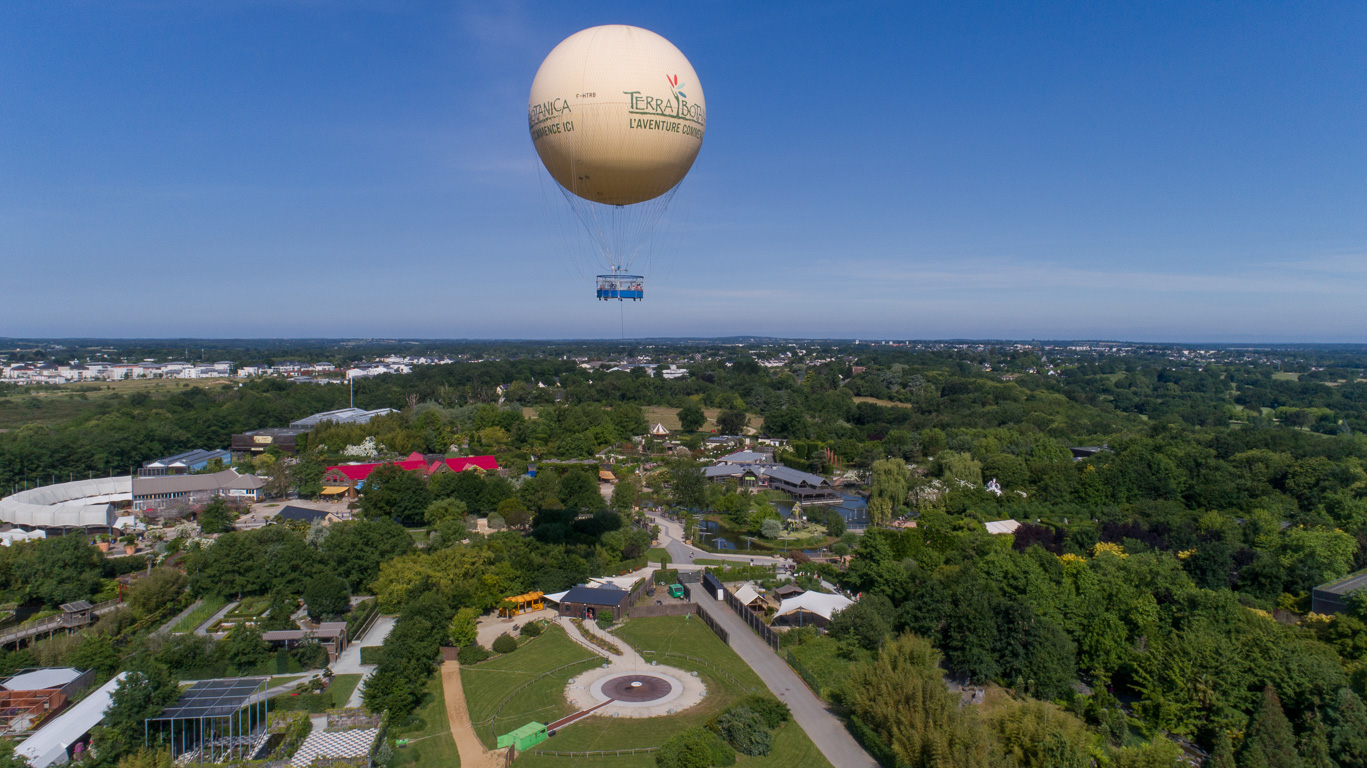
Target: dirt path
x=472, y=751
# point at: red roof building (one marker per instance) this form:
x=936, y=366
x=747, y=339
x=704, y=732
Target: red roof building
x=349, y=478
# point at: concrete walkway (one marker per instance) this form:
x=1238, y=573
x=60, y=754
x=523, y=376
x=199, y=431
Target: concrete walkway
x=349, y=663
x=203, y=629
x=810, y=712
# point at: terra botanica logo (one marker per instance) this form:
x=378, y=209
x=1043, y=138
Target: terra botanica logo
x=675, y=106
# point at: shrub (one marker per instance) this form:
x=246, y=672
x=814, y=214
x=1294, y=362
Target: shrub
x=695, y=748
x=505, y=643
x=531, y=629
x=744, y=729
x=605, y=622
x=472, y=654
x=772, y=711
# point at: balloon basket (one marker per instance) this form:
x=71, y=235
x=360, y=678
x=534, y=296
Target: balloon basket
x=621, y=287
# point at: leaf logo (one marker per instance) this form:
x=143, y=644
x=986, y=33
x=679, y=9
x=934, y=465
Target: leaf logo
x=673, y=81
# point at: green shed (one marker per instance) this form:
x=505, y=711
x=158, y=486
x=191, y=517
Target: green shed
x=528, y=735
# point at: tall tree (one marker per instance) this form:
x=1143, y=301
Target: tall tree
x=691, y=417
x=1348, y=734
x=1270, y=741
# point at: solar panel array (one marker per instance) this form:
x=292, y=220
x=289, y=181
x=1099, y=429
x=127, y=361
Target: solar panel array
x=214, y=698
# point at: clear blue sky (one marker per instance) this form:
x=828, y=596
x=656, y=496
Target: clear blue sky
x=1147, y=171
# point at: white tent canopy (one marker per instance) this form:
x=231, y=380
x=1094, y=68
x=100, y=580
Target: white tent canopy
x=78, y=503
x=821, y=604
x=557, y=597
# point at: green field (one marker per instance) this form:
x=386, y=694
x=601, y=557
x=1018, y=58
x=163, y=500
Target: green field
x=429, y=734
x=670, y=640
x=822, y=659
x=209, y=607
x=53, y=405
x=496, y=685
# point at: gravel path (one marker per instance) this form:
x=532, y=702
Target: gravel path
x=471, y=749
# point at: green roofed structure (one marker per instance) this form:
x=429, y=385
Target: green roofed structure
x=1333, y=597
x=527, y=736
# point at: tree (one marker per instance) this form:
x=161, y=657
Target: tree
x=1034, y=734
x=143, y=693
x=745, y=730
x=694, y=748
x=514, y=513
x=57, y=570
x=771, y=529
x=1348, y=730
x=867, y=623
x=687, y=485
x=691, y=417
x=890, y=479
x=901, y=696
x=1269, y=742
x=731, y=422
x=355, y=549
x=326, y=596
x=243, y=649
x=442, y=510
x=217, y=517
x=463, y=631
x=395, y=493
x=624, y=495
x=160, y=589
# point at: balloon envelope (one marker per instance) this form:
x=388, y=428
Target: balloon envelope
x=617, y=114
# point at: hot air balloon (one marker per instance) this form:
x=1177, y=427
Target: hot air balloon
x=617, y=115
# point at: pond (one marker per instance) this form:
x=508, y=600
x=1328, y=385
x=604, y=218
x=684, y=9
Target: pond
x=717, y=536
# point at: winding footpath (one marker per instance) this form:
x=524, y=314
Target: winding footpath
x=471, y=749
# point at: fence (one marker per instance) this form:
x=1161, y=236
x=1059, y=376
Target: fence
x=750, y=617
x=639, y=589
x=708, y=620
x=671, y=609
x=600, y=753
x=806, y=675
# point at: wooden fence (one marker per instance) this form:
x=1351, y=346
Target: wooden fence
x=756, y=623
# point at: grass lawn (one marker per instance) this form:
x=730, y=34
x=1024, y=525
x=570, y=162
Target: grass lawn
x=428, y=732
x=495, y=686
x=654, y=554
x=822, y=659
x=656, y=638
x=209, y=607
x=710, y=561
x=1277, y=376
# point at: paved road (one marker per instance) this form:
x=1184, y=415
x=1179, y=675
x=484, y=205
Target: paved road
x=671, y=535
x=810, y=712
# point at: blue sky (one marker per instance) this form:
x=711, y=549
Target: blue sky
x=1145, y=171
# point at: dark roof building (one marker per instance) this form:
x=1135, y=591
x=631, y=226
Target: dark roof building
x=1333, y=597
x=185, y=463
x=592, y=602
x=302, y=514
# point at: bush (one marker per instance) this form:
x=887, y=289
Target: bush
x=695, y=748
x=472, y=654
x=531, y=629
x=772, y=711
x=744, y=729
x=505, y=643
x=311, y=655
x=796, y=637
x=605, y=622
x=370, y=654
